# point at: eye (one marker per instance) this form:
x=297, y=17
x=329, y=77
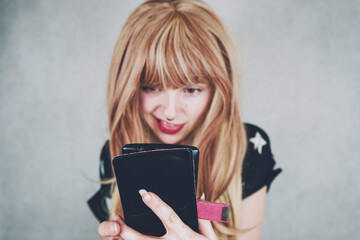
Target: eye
x=148, y=89
x=192, y=90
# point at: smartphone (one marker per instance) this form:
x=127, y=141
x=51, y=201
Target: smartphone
x=169, y=173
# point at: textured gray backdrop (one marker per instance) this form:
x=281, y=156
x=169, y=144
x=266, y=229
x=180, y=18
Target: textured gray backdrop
x=301, y=84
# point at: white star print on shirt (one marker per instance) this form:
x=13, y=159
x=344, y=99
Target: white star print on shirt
x=258, y=142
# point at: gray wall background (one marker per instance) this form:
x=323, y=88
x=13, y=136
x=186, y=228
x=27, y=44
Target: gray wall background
x=301, y=84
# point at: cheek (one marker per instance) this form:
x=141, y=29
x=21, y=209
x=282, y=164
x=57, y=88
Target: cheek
x=198, y=108
x=146, y=103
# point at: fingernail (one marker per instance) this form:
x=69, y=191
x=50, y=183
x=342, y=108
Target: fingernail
x=146, y=196
x=113, y=217
x=142, y=191
x=114, y=228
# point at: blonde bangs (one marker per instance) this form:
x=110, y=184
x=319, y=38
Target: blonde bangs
x=179, y=55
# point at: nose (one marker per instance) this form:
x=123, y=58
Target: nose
x=170, y=104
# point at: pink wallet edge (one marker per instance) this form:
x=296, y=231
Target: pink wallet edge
x=218, y=212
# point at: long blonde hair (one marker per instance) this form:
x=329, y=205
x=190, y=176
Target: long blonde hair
x=178, y=43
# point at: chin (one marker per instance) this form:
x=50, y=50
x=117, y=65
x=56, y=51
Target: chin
x=168, y=139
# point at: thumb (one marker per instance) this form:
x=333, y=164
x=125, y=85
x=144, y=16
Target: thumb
x=206, y=229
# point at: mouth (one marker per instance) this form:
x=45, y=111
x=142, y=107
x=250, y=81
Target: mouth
x=168, y=128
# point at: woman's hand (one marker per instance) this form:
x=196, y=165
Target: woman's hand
x=175, y=228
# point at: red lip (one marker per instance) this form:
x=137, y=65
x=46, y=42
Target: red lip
x=171, y=130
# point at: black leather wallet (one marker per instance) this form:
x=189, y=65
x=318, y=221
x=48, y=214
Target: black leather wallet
x=170, y=171
x=142, y=147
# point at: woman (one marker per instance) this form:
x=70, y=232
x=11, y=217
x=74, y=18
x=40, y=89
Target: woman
x=174, y=79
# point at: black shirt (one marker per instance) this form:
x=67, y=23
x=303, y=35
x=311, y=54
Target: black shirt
x=258, y=170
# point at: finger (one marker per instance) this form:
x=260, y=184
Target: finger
x=118, y=218
x=206, y=229
x=109, y=229
x=129, y=233
x=166, y=214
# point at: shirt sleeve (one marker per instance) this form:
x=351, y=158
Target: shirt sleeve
x=259, y=164
x=97, y=203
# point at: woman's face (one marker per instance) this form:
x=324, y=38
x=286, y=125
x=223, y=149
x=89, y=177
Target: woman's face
x=174, y=113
